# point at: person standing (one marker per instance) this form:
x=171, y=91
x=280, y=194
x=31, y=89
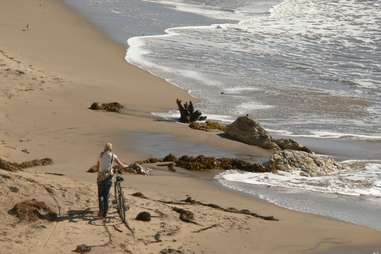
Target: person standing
x=105, y=173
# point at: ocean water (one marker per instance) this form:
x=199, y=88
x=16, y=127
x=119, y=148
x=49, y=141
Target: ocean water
x=310, y=69
x=304, y=67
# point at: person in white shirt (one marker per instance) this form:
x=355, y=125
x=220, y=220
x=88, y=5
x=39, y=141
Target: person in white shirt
x=105, y=172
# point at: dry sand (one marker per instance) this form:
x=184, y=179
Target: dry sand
x=53, y=65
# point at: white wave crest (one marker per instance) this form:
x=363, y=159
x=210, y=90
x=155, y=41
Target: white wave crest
x=336, y=135
x=239, y=90
x=246, y=107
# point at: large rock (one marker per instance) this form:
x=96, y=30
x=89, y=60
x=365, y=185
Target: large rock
x=250, y=132
x=308, y=164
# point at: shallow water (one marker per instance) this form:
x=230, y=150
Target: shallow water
x=159, y=145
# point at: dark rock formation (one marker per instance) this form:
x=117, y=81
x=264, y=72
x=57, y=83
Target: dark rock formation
x=109, y=107
x=33, y=210
x=199, y=163
x=207, y=126
x=82, y=248
x=171, y=251
x=290, y=144
x=227, y=163
x=286, y=160
x=308, y=164
x=14, y=166
x=187, y=112
x=139, y=195
x=202, y=163
x=169, y=158
x=250, y=132
x=143, y=216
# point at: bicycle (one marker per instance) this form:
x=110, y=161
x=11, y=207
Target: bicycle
x=119, y=198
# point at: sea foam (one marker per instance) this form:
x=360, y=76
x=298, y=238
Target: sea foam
x=362, y=180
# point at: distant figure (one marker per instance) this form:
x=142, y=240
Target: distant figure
x=26, y=28
x=105, y=173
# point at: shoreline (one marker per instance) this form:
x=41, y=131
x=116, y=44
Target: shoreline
x=53, y=119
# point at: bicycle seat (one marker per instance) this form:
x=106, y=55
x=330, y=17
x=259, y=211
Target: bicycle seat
x=119, y=179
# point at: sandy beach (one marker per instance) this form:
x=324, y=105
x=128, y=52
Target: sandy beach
x=53, y=65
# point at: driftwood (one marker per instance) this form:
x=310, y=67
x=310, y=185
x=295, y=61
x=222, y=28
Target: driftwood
x=55, y=174
x=206, y=228
x=190, y=201
x=187, y=112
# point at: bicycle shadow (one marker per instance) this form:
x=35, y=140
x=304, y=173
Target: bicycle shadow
x=89, y=215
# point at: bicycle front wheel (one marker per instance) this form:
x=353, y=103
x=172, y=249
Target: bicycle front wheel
x=120, y=202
